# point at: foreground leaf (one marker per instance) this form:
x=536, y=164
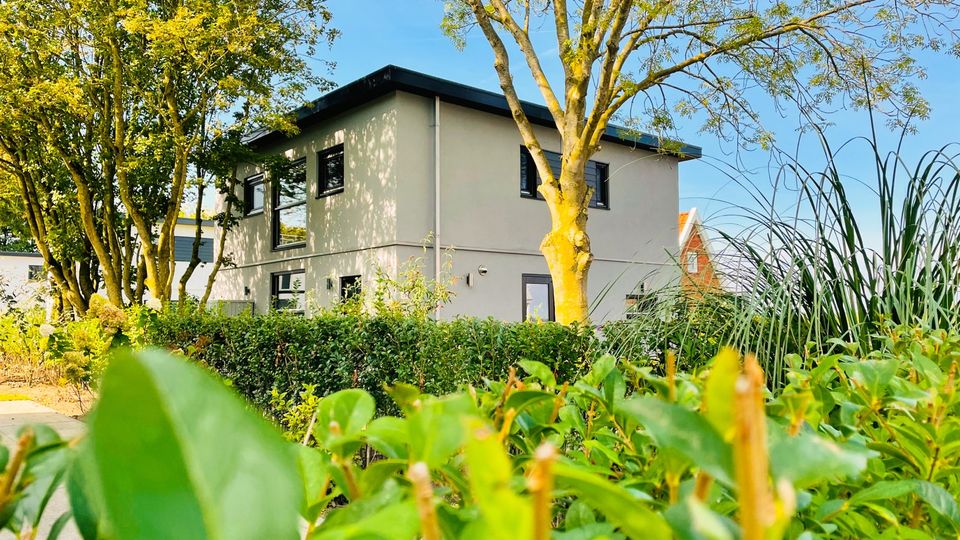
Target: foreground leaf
x=177, y=455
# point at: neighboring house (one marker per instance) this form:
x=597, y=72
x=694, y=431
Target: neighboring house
x=400, y=165
x=22, y=275
x=698, y=271
x=184, y=233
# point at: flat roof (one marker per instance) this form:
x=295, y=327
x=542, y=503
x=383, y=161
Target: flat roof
x=20, y=254
x=392, y=79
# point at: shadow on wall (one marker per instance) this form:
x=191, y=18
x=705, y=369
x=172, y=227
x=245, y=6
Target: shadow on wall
x=362, y=216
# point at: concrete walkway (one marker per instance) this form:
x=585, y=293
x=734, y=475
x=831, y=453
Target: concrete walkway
x=13, y=415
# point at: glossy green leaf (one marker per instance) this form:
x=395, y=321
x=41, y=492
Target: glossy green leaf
x=314, y=468
x=504, y=513
x=398, y=521
x=177, y=455
x=351, y=409
x=437, y=430
x=685, y=431
x=539, y=371
x=628, y=513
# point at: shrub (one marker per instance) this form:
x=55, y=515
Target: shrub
x=335, y=350
x=860, y=444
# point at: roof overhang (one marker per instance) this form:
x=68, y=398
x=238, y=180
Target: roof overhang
x=395, y=79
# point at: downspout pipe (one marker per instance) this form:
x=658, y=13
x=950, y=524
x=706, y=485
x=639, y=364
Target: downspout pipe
x=436, y=189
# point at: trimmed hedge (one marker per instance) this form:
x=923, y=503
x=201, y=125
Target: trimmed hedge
x=335, y=351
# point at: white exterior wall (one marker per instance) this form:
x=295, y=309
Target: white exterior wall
x=386, y=212
x=14, y=277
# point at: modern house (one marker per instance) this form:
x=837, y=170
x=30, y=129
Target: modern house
x=698, y=270
x=400, y=165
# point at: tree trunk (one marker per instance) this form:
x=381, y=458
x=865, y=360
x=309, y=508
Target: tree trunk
x=567, y=246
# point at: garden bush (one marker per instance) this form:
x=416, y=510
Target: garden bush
x=859, y=444
x=334, y=350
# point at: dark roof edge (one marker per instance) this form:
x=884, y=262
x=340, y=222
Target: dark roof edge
x=20, y=254
x=392, y=78
x=193, y=221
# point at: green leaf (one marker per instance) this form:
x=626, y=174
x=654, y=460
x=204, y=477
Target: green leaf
x=388, y=435
x=314, y=468
x=523, y=398
x=601, y=368
x=437, y=430
x=539, y=371
x=719, y=392
x=398, y=521
x=934, y=495
x=619, y=506
x=58, y=526
x=504, y=513
x=807, y=459
x=351, y=409
x=43, y=472
x=685, y=431
x=693, y=520
x=177, y=455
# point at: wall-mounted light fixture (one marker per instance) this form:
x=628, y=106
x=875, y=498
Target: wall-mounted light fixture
x=482, y=270
x=246, y=290
x=469, y=279
x=329, y=284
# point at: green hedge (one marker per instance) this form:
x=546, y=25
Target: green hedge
x=335, y=351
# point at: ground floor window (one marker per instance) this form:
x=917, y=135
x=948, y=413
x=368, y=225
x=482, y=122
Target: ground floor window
x=350, y=287
x=287, y=291
x=538, y=297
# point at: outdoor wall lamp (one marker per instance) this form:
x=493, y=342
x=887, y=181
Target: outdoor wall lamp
x=482, y=270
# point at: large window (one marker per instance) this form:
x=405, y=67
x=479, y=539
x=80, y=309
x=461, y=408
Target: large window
x=290, y=206
x=35, y=272
x=538, y=297
x=287, y=291
x=597, y=176
x=330, y=174
x=253, y=195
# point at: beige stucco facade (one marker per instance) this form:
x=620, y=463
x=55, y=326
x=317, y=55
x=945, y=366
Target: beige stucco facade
x=386, y=213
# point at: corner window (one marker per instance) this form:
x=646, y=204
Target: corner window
x=290, y=207
x=253, y=195
x=350, y=287
x=330, y=175
x=596, y=174
x=538, y=297
x=287, y=291
x=693, y=262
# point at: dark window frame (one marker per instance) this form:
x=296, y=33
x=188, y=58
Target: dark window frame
x=276, y=207
x=537, y=279
x=347, y=292
x=35, y=272
x=530, y=179
x=248, y=183
x=275, y=289
x=322, y=157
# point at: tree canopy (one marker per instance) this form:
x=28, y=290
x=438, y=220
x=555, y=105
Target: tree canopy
x=105, y=106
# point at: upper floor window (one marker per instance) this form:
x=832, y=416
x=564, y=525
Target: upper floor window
x=253, y=195
x=596, y=173
x=287, y=291
x=330, y=174
x=693, y=262
x=290, y=206
x=183, y=249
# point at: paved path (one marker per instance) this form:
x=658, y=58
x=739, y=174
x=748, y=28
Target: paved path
x=13, y=415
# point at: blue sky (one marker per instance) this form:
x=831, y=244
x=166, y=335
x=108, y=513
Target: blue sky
x=407, y=33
